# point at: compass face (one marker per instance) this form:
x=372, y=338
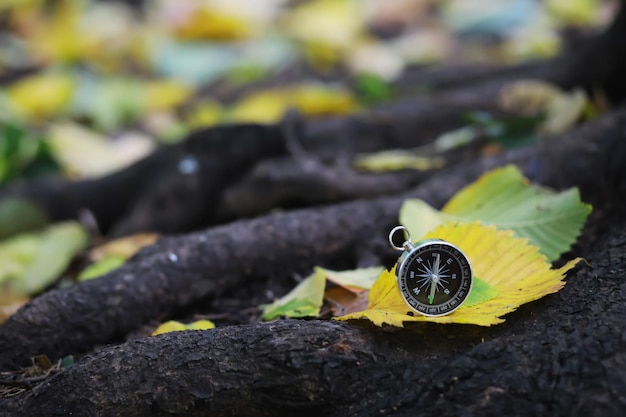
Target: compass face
x=434, y=278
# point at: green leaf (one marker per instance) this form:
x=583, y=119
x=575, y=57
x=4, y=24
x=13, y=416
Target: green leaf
x=510, y=132
x=30, y=262
x=372, y=89
x=481, y=291
x=18, y=216
x=102, y=267
x=504, y=198
x=23, y=154
x=394, y=160
x=67, y=361
x=305, y=300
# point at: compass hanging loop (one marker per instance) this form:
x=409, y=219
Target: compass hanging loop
x=406, y=245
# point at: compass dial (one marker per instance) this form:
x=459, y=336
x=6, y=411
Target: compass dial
x=434, y=277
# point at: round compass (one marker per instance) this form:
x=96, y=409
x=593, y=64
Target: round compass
x=434, y=276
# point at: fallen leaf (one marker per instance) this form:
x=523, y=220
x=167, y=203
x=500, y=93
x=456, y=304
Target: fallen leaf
x=269, y=106
x=534, y=97
x=10, y=302
x=207, y=24
x=516, y=270
x=111, y=255
x=342, y=301
x=304, y=300
x=41, y=96
x=86, y=154
x=18, y=216
x=101, y=267
x=332, y=22
x=504, y=198
x=176, y=326
x=30, y=262
x=574, y=12
x=204, y=114
x=162, y=95
x=355, y=280
x=395, y=160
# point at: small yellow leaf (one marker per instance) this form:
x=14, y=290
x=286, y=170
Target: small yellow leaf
x=41, y=96
x=516, y=270
x=176, y=326
x=330, y=22
x=201, y=325
x=204, y=114
x=261, y=107
x=318, y=100
x=81, y=152
x=269, y=106
x=574, y=12
x=169, y=326
x=166, y=95
x=206, y=23
x=394, y=160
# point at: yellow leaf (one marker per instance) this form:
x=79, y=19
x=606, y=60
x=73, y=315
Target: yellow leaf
x=59, y=39
x=81, y=152
x=176, y=326
x=169, y=326
x=166, y=95
x=394, y=160
x=269, y=106
x=205, y=23
x=262, y=107
x=330, y=22
x=515, y=269
x=574, y=12
x=201, y=325
x=539, y=40
x=318, y=100
x=41, y=96
x=204, y=114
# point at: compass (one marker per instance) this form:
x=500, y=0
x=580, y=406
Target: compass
x=434, y=276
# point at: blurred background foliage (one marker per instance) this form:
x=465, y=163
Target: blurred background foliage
x=87, y=87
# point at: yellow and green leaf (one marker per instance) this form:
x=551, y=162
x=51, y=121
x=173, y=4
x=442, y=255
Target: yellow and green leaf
x=504, y=198
x=513, y=273
x=304, y=300
x=30, y=262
